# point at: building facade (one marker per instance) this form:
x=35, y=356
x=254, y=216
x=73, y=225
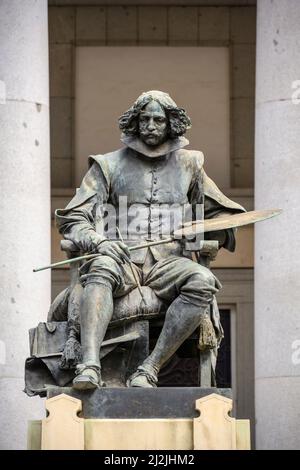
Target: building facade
x=240, y=60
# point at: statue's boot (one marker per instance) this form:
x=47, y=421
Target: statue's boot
x=88, y=376
x=144, y=377
x=96, y=313
x=182, y=318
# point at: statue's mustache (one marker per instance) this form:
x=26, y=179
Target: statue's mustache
x=150, y=133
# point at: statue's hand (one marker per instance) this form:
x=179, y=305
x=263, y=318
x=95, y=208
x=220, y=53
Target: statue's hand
x=115, y=249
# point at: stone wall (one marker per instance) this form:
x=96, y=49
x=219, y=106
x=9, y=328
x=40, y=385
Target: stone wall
x=156, y=26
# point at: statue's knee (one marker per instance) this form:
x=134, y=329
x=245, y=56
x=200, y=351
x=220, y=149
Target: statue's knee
x=203, y=277
x=104, y=263
x=201, y=286
x=102, y=271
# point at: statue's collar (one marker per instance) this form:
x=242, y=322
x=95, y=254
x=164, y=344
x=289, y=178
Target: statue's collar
x=169, y=146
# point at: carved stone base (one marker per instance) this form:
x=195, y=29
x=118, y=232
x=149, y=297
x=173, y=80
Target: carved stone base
x=139, y=419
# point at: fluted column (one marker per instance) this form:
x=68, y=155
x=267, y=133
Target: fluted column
x=24, y=203
x=277, y=241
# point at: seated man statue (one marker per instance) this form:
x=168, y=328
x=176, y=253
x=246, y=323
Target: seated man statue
x=157, y=176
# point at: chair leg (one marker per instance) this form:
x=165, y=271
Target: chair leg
x=140, y=347
x=205, y=368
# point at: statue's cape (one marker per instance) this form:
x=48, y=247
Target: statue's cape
x=211, y=190
x=100, y=168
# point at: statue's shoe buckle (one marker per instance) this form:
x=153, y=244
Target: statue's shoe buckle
x=142, y=378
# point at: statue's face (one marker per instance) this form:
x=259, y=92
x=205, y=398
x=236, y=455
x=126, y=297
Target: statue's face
x=153, y=124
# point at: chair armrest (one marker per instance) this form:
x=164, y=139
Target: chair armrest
x=71, y=251
x=209, y=249
x=208, y=252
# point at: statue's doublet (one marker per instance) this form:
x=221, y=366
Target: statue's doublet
x=176, y=180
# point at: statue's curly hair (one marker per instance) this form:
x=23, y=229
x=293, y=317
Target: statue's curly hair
x=179, y=121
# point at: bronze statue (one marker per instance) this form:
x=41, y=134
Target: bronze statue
x=157, y=175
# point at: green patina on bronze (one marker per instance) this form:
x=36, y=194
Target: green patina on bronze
x=152, y=168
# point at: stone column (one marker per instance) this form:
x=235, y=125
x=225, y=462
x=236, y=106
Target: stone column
x=24, y=203
x=277, y=261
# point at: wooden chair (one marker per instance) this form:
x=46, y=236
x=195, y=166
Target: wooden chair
x=55, y=345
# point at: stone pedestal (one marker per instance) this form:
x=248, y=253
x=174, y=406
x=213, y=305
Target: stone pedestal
x=139, y=419
x=140, y=403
